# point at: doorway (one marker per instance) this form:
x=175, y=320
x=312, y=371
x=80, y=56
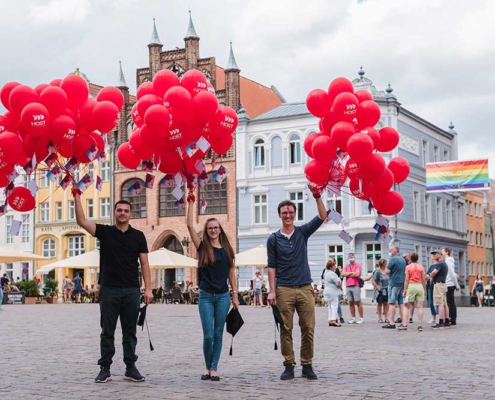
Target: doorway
x=172, y=244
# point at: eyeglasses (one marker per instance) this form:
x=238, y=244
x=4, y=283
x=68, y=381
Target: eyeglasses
x=119, y=210
x=213, y=228
x=285, y=213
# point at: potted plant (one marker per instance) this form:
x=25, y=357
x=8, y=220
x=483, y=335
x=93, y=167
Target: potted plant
x=52, y=284
x=31, y=291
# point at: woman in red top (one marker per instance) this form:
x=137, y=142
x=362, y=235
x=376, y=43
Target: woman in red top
x=414, y=289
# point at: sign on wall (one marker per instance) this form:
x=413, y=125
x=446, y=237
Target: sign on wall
x=455, y=176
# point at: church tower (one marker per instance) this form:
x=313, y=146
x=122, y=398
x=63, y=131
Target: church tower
x=232, y=83
x=155, y=48
x=192, y=46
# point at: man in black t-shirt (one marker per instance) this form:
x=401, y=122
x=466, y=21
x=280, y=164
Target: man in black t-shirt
x=122, y=250
x=439, y=275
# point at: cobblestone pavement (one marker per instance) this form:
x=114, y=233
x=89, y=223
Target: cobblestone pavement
x=50, y=352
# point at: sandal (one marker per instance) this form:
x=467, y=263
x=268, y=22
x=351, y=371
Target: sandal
x=205, y=377
x=380, y=321
x=334, y=324
x=387, y=321
x=215, y=378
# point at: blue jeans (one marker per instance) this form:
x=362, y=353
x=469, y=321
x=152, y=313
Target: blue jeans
x=1, y=296
x=213, y=310
x=339, y=310
x=433, y=309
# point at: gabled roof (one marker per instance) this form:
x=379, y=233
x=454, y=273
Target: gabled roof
x=255, y=98
x=285, y=110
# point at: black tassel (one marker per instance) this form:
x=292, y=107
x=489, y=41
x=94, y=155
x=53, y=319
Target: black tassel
x=230, y=352
x=149, y=337
x=275, y=347
x=151, y=346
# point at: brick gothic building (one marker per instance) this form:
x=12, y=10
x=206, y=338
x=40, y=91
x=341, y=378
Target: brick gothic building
x=154, y=211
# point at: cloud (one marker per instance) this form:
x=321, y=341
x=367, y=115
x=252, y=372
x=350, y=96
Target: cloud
x=60, y=11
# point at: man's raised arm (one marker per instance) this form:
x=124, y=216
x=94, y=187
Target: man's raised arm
x=88, y=226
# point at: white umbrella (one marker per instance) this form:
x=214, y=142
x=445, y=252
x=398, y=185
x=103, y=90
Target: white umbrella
x=255, y=257
x=11, y=255
x=164, y=259
x=86, y=260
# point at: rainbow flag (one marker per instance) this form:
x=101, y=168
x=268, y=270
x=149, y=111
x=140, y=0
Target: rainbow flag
x=455, y=176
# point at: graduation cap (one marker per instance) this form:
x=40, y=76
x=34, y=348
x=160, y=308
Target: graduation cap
x=142, y=320
x=234, y=322
x=279, y=323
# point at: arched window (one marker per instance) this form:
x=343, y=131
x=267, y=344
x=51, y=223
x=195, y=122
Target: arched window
x=134, y=192
x=295, y=149
x=215, y=195
x=167, y=203
x=48, y=248
x=259, y=153
x=276, y=151
x=173, y=244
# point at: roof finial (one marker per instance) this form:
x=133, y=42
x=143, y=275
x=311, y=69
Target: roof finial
x=121, y=80
x=389, y=89
x=191, y=31
x=361, y=73
x=154, y=35
x=232, y=63
x=451, y=126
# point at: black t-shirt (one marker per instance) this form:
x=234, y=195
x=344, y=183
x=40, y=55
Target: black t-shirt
x=3, y=280
x=213, y=278
x=443, y=270
x=119, y=255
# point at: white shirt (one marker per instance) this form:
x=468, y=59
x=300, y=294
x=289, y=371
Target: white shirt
x=451, y=279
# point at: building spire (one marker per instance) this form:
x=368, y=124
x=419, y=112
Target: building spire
x=232, y=63
x=154, y=35
x=121, y=80
x=191, y=31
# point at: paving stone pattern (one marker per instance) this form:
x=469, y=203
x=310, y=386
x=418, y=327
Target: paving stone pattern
x=50, y=352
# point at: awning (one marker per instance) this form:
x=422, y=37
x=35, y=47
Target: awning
x=11, y=255
x=166, y=259
x=86, y=260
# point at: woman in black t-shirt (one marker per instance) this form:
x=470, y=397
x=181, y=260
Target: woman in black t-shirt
x=216, y=266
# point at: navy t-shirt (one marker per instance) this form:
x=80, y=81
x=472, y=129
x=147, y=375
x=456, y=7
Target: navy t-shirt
x=289, y=256
x=443, y=270
x=77, y=283
x=213, y=278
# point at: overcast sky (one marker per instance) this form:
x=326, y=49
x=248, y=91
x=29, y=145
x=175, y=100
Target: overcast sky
x=435, y=53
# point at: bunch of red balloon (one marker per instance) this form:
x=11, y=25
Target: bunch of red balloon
x=56, y=118
x=347, y=132
x=177, y=122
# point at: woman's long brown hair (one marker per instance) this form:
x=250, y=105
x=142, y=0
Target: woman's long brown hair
x=206, y=256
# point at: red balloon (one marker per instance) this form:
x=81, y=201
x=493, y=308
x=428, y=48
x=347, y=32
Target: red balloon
x=127, y=157
x=225, y=121
x=39, y=88
x=6, y=124
x=168, y=161
x=21, y=199
x=400, y=169
x=391, y=203
x=62, y=130
x=105, y=116
x=211, y=89
x=147, y=137
x=360, y=146
x=100, y=142
x=140, y=149
x=6, y=169
x=10, y=146
x=352, y=169
x=194, y=81
x=56, y=82
x=363, y=95
x=308, y=142
x=36, y=146
x=329, y=121
x=345, y=106
x=136, y=117
x=55, y=100
x=5, y=93
x=374, y=135
x=73, y=115
x=66, y=150
x=204, y=106
x=81, y=146
x=20, y=97
x=223, y=145
x=144, y=89
x=341, y=133
x=86, y=114
x=177, y=134
x=318, y=103
x=164, y=80
x=324, y=149
x=363, y=192
x=111, y=94
x=389, y=139
x=316, y=173
x=384, y=183
x=4, y=181
x=157, y=118
x=146, y=102
x=372, y=168
x=35, y=118
x=338, y=86
x=375, y=199
x=368, y=113
x=179, y=101
x=76, y=89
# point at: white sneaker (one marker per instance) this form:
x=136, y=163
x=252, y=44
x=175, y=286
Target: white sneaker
x=432, y=321
x=360, y=321
x=352, y=321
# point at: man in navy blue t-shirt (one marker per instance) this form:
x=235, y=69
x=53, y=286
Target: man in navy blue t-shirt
x=289, y=273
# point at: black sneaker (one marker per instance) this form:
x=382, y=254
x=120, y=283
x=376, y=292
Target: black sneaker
x=420, y=329
x=132, y=374
x=288, y=373
x=453, y=323
x=398, y=321
x=410, y=320
x=388, y=326
x=104, y=375
x=342, y=320
x=307, y=372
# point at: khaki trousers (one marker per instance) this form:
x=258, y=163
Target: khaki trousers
x=300, y=299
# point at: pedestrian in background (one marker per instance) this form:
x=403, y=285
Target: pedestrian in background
x=452, y=285
x=414, y=290
x=479, y=289
x=380, y=283
x=396, y=268
x=352, y=275
x=333, y=289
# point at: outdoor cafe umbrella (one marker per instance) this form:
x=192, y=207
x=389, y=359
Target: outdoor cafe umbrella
x=164, y=259
x=11, y=255
x=86, y=260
